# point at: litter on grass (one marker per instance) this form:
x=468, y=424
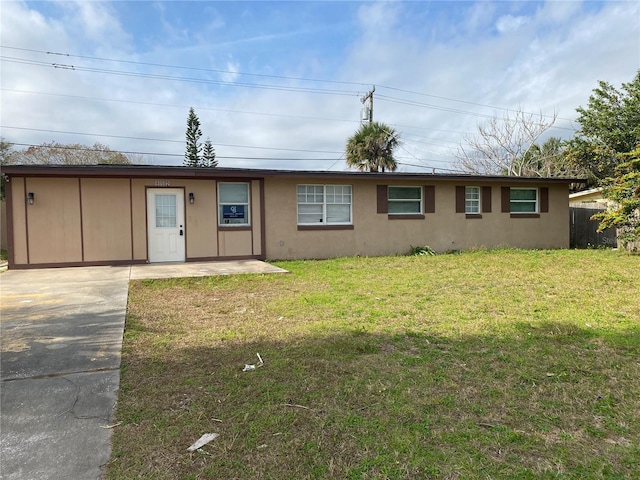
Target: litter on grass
x=202, y=441
x=249, y=367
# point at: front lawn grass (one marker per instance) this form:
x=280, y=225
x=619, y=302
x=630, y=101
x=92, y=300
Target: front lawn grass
x=487, y=364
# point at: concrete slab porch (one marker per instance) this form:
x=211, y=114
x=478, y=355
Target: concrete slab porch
x=201, y=269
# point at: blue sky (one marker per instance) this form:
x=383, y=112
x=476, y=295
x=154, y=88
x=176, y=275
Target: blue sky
x=278, y=84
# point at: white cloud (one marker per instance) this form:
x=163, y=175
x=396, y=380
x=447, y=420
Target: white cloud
x=96, y=23
x=479, y=15
x=29, y=26
x=376, y=18
x=510, y=23
x=549, y=62
x=232, y=71
x=559, y=11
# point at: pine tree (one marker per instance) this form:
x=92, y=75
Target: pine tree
x=192, y=154
x=209, y=155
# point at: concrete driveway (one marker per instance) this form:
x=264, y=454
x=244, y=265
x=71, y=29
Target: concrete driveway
x=61, y=337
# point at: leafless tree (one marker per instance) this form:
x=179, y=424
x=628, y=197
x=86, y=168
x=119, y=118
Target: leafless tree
x=54, y=153
x=501, y=145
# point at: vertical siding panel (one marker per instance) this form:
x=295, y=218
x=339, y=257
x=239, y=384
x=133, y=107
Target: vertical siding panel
x=131, y=216
x=263, y=238
x=81, y=222
x=17, y=221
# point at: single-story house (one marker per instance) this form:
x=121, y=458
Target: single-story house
x=115, y=214
x=591, y=199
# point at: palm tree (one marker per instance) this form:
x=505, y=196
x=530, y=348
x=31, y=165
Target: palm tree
x=546, y=160
x=371, y=148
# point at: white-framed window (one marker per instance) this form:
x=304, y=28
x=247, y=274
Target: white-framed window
x=404, y=200
x=233, y=203
x=166, y=211
x=324, y=204
x=523, y=200
x=471, y=200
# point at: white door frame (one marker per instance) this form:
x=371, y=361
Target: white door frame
x=166, y=243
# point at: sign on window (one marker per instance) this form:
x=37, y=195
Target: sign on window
x=233, y=211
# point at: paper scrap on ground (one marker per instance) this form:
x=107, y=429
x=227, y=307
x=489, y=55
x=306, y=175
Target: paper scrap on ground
x=202, y=441
x=249, y=367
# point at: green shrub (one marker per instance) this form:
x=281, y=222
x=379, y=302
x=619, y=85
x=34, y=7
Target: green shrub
x=422, y=251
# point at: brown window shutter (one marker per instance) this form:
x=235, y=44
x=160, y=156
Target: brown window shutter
x=383, y=202
x=429, y=199
x=460, y=199
x=486, y=199
x=506, y=199
x=544, y=200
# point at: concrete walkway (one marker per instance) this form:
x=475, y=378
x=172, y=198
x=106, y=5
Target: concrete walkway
x=61, y=337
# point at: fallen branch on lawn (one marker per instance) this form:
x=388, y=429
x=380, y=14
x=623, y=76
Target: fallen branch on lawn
x=296, y=406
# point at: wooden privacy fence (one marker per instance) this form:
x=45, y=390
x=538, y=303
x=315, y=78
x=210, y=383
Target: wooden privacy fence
x=583, y=230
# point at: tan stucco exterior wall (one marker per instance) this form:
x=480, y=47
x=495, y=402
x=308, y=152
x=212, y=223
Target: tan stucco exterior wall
x=378, y=234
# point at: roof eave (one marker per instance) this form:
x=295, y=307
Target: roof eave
x=142, y=171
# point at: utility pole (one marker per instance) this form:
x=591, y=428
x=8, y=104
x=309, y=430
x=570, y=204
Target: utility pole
x=367, y=109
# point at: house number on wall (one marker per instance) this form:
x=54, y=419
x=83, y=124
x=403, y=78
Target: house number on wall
x=163, y=183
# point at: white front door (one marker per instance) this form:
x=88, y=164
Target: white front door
x=165, y=220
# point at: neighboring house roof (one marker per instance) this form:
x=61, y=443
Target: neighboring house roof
x=200, y=172
x=595, y=193
x=587, y=198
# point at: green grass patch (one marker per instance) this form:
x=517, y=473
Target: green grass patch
x=487, y=364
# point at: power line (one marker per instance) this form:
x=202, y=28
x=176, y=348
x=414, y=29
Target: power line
x=210, y=70
x=162, y=140
x=181, y=155
x=279, y=77
x=136, y=102
x=404, y=135
x=369, y=96
x=237, y=84
x=451, y=110
x=462, y=101
x=125, y=73
x=429, y=168
x=434, y=107
x=432, y=161
x=429, y=129
x=270, y=159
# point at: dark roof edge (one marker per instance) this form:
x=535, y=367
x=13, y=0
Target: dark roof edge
x=203, y=173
